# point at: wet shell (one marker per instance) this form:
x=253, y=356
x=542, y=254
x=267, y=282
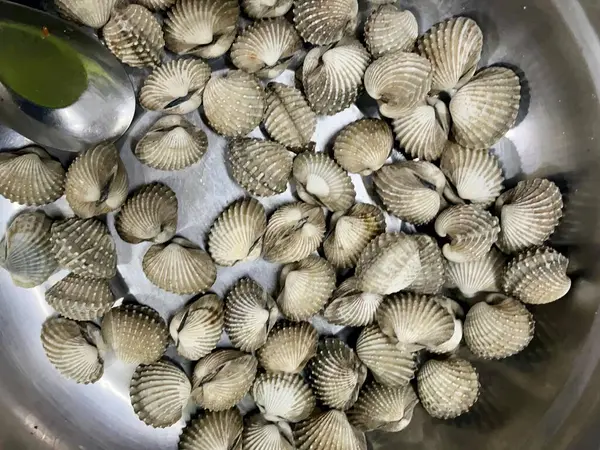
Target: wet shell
x=74, y=349
x=529, y=214
x=283, y=397
x=389, y=29
x=149, y=214
x=213, y=431
x=176, y=87
x=486, y=108
x=156, y=5
x=81, y=298
x=92, y=13
x=134, y=36
x=294, y=231
x=97, y=182
x=179, y=266
x=266, y=47
x=537, y=276
x=321, y=181
x=471, y=230
x=454, y=48
x=260, y=434
x=85, y=247
x=329, y=431
x=223, y=378
x=250, y=314
x=234, y=103
x=204, y=28
x=159, y=392
x=388, y=264
x=26, y=249
x=432, y=276
x=322, y=22
x=136, y=333
x=447, y=388
x=289, y=347
x=197, y=327
x=481, y=275
x=31, y=176
x=288, y=118
x=411, y=190
x=363, y=146
x=264, y=9
x=350, y=307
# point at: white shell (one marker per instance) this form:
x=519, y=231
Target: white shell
x=389, y=29
x=350, y=307
x=264, y=9
x=80, y=298
x=156, y=5
x=322, y=22
x=329, y=431
x=260, y=434
x=289, y=347
x=213, y=431
x=481, y=275
x=283, y=397
x=92, y=13
x=432, y=276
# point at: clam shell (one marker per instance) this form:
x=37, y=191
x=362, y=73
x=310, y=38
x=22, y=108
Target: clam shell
x=92, y=13
x=351, y=232
x=234, y=103
x=283, y=397
x=289, y=347
x=73, y=348
x=322, y=22
x=329, y=431
x=134, y=36
x=80, y=298
x=388, y=264
x=179, y=266
x=85, y=247
x=266, y=47
x=288, y=118
x=136, y=333
x=447, y=388
x=481, y=275
x=411, y=190
x=223, y=378
x=432, y=276
x=250, y=314
x=26, y=249
x=264, y=9
x=529, y=214
x=389, y=29
x=471, y=230
x=321, y=181
x=454, y=48
x=204, y=28
x=149, y=214
x=97, y=182
x=213, y=431
x=262, y=168
x=159, y=392
x=176, y=87
x=260, y=434
x=197, y=327
x=363, y=146
x=485, y=108
x=156, y=5
x=31, y=177
x=294, y=231
x=350, y=307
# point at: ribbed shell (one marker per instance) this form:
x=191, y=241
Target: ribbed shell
x=159, y=392
x=350, y=307
x=260, y=434
x=432, y=276
x=31, y=177
x=80, y=298
x=156, y=5
x=176, y=87
x=149, y=214
x=213, y=431
x=134, y=36
x=85, y=247
x=283, y=397
x=289, y=347
x=322, y=22
x=329, y=431
x=92, y=13
x=389, y=29
x=197, y=327
x=529, y=214
x=264, y=9
x=294, y=231
x=481, y=275
x=179, y=266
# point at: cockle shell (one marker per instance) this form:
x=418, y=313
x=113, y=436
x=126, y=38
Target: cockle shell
x=485, y=108
x=432, y=276
x=74, y=349
x=454, y=48
x=159, y=392
x=328, y=431
x=481, y=275
x=529, y=214
x=363, y=146
x=389, y=29
x=149, y=214
x=322, y=22
x=156, y=5
x=471, y=230
x=136, y=333
x=388, y=264
x=176, y=87
x=134, y=36
x=85, y=247
x=294, y=231
x=26, y=249
x=447, y=388
x=266, y=47
x=250, y=314
x=264, y=9
x=234, y=103
x=197, y=327
x=80, y=298
x=351, y=307
x=204, y=28
x=283, y=397
x=260, y=434
x=179, y=266
x=223, y=378
x=289, y=347
x=213, y=431
x=31, y=176
x=92, y=13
